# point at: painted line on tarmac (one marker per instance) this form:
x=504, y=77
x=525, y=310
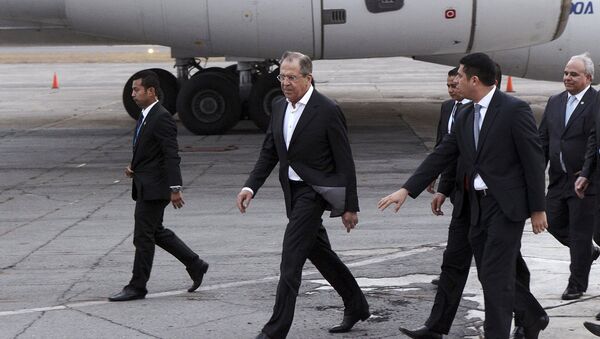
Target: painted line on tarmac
x=365, y=262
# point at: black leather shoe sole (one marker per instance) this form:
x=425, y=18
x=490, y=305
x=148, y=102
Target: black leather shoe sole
x=348, y=323
x=595, y=329
x=571, y=296
x=125, y=296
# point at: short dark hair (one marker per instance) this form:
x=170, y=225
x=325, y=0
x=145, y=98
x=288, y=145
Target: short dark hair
x=453, y=72
x=149, y=79
x=498, y=75
x=480, y=65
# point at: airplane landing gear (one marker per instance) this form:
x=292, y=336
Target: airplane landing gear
x=214, y=99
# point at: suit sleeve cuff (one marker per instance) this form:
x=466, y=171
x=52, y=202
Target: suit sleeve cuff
x=248, y=189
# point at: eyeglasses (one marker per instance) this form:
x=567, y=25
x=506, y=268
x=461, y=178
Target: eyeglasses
x=290, y=78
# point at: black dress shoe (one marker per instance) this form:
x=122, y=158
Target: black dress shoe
x=262, y=335
x=571, y=293
x=421, y=333
x=435, y=281
x=533, y=331
x=348, y=322
x=598, y=316
x=197, y=274
x=128, y=293
x=519, y=332
x=595, y=329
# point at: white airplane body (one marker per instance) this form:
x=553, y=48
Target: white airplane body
x=255, y=33
x=547, y=61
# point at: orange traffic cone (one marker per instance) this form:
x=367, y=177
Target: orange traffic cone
x=54, y=81
x=509, y=85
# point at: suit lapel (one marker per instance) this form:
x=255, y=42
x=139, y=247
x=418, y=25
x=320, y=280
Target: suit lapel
x=560, y=111
x=143, y=128
x=488, y=120
x=586, y=100
x=279, y=111
x=469, y=111
x=307, y=115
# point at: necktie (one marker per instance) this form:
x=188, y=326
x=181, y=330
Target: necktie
x=138, y=127
x=571, y=104
x=476, y=118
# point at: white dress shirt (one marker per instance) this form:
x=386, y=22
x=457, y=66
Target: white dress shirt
x=290, y=120
x=478, y=183
x=454, y=110
x=146, y=110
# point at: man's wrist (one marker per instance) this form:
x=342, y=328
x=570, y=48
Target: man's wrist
x=176, y=189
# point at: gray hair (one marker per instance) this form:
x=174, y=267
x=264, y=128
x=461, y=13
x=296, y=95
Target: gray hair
x=587, y=62
x=303, y=60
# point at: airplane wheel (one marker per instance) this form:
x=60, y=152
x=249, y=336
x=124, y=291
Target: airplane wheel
x=265, y=91
x=209, y=103
x=167, y=94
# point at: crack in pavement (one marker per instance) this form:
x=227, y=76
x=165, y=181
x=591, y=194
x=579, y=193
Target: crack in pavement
x=56, y=236
x=363, y=262
x=28, y=326
x=116, y=323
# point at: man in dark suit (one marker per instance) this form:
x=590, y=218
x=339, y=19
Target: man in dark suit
x=156, y=176
x=497, y=147
x=307, y=136
x=564, y=130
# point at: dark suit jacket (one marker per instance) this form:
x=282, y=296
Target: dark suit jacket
x=447, y=181
x=590, y=166
x=156, y=160
x=570, y=139
x=319, y=152
x=445, y=113
x=509, y=157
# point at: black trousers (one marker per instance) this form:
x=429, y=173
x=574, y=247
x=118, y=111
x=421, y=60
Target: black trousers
x=148, y=232
x=306, y=238
x=496, y=243
x=456, y=264
x=571, y=222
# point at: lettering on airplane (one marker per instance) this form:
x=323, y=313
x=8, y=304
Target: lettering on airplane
x=582, y=7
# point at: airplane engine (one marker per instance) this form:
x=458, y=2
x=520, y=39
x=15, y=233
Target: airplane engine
x=256, y=32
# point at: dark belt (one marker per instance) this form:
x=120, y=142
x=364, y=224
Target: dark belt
x=482, y=193
x=296, y=184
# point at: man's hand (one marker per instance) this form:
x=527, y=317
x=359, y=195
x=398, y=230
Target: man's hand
x=128, y=171
x=436, y=203
x=431, y=187
x=581, y=184
x=539, y=223
x=177, y=200
x=243, y=200
x=350, y=220
x=397, y=198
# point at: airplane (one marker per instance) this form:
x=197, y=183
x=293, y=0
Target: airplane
x=255, y=33
x=547, y=61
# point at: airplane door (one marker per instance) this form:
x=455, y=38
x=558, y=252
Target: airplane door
x=262, y=28
x=374, y=28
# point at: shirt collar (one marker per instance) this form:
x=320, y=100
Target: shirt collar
x=578, y=95
x=146, y=110
x=464, y=101
x=305, y=98
x=485, y=101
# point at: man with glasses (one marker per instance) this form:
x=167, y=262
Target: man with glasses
x=307, y=136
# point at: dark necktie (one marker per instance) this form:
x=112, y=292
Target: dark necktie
x=476, y=119
x=138, y=127
x=455, y=109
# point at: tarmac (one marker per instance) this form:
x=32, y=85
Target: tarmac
x=66, y=215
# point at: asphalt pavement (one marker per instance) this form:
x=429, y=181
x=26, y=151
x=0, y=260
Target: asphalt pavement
x=66, y=215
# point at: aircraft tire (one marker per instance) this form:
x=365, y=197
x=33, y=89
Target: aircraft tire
x=264, y=92
x=167, y=94
x=209, y=103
